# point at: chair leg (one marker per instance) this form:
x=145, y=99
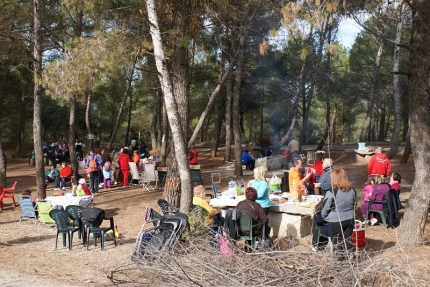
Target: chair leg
x=70, y=240
x=384, y=221
x=102, y=240
x=56, y=240
x=14, y=203
x=64, y=239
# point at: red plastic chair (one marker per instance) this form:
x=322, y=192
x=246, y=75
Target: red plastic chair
x=8, y=192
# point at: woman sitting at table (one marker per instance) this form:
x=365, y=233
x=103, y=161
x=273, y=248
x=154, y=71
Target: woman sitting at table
x=260, y=184
x=81, y=189
x=199, y=200
x=379, y=190
x=254, y=210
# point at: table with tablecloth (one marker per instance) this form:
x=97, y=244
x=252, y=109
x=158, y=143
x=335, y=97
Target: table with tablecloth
x=290, y=219
x=69, y=199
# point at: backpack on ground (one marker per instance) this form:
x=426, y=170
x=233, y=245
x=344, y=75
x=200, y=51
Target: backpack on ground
x=93, y=163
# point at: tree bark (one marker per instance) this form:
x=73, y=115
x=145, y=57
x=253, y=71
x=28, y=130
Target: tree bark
x=37, y=106
x=184, y=181
x=396, y=86
x=72, y=133
x=412, y=226
x=87, y=121
x=3, y=160
x=228, y=122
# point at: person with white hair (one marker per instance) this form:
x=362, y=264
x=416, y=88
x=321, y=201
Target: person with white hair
x=324, y=181
x=379, y=164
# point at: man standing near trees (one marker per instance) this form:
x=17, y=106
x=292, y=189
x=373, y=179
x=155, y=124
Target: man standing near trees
x=93, y=162
x=379, y=164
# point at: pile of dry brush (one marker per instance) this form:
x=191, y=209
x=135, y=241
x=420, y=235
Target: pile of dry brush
x=197, y=261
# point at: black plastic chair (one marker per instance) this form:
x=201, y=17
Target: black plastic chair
x=61, y=218
x=166, y=207
x=74, y=212
x=92, y=218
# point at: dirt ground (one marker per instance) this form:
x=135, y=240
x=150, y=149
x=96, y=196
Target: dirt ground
x=27, y=252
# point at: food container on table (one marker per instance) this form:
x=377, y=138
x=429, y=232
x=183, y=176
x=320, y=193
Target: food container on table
x=274, y=186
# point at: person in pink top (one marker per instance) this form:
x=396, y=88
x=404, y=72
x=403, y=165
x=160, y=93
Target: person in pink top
x=123, y=160
x=368, y=188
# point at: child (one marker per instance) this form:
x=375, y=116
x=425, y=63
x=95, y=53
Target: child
x=107, y=174
x=368, y=188
x=395, y=181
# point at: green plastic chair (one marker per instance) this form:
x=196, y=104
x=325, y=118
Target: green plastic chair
x=166, y=207
x=74, y=212
x=381, y=212
x=61, y=219
x=246, y=228
x=43, y=208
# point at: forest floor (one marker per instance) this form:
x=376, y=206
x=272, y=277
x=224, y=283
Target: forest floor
x=28, y=257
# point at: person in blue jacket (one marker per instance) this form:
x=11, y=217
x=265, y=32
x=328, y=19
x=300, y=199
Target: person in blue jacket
x=260, y=184
x=248, y=160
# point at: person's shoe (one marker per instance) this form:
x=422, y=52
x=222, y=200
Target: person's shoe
x=63, y=188
x=115, y=183
x=101, y=185
x=314, y=248
x=56, y=188
x=366, y=222
x=373, y=221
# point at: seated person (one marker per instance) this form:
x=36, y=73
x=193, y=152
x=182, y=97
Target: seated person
x=395, y=181
x=52, y=174
x=319, y=225
x=66, y=174
x=81, y=189
x=265, y=150
x=136, y=158
x=254, y=210
x=379, y=190
x=199, y=200
x=248, y=160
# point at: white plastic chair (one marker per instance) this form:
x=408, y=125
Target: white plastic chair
x=134, y=173
x=149, y=177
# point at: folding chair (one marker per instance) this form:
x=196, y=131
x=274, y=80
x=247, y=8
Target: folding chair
x=149, y=177
x=27, y=210
x=135, y=176
x=43, y=208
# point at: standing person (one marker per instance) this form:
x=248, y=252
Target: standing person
x=379, y=164
x=295, y=178
x=107, y=174
x=338, y=210
x=324, y=181
x=117, y=173
x=293, y=148
x=193, y=155
x=265, y=146
x=248, y=160
x=143, y=150
x=123, y=160
x=262, y=188
x=78, y=147
x=93, y=163
x=318, y=167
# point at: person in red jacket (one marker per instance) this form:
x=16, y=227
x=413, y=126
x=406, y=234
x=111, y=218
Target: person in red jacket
x=379, y=164
x=123, y=160
x=193, y=155
x=318, y=167
x=66, y=174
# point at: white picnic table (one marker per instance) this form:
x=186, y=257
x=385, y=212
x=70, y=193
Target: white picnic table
x=69, y=199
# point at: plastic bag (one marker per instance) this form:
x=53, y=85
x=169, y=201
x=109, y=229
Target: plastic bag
x=275, y=180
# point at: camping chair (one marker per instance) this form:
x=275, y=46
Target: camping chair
x=162, y=174
x=61, y=219
x=149, y=177
x=74, y=212
x=27, y=210
x=8, y=192
x=166, y=207
x=135, y=175
x=43, y=208
x=93, y=218
x=246, y=228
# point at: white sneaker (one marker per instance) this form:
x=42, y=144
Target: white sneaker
x=314, y=248
x=56, y=189
x=63, y=188
x=101, y=185
x=373, y=221
x=366, y=222
x=115, y=183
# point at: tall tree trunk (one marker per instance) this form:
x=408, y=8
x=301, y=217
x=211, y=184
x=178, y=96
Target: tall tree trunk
x=396, y=86
x=3, y=160
x=129, y=79
x=217, y=127
x=72, y=132
x=37, y=106
x=412, y=226
x=180, y=157
x=21, y=120
x=87, y=120
x=164, y=151
x=375, y=71
x=228, y=122
x=408, y=150
x=127, y=133
x=382, y=122
x=296, y=103
x=156, y=124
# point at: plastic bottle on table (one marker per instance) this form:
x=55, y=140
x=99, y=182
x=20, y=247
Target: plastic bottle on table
x=232, y=187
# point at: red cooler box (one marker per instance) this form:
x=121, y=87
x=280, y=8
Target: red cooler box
x=358, y=235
